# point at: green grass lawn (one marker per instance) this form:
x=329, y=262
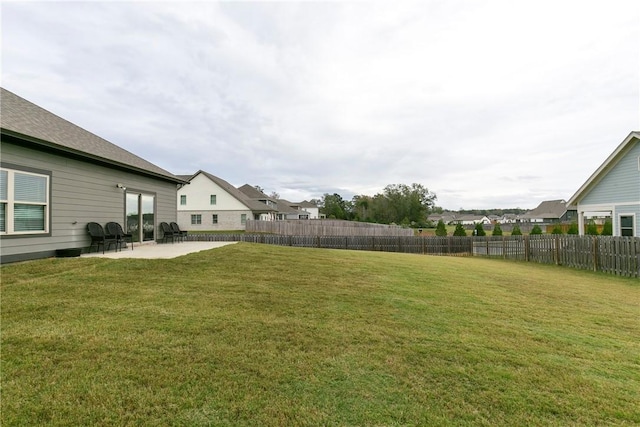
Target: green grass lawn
x=257, y=335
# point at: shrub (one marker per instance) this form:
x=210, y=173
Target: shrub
x=479, y=230
x=536, y=229
x=607, y=229
x=441, y=230
x=459, y=231
x=592, y=229
x=557, y=229
x=573, y=229
x=516, y=231
x=497, y=230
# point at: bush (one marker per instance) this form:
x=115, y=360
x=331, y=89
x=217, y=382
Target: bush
x=497, y=230
x=479, y=230
x=536, y=229
x=557, y=229
x=441, y=230
x=459, y=231
x=592, y=228
x=607, y=229
x=516, y=231
x=573, y=229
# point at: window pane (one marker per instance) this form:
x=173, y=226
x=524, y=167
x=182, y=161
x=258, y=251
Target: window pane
x=28, y=217
x=213, y=199
x=183, y=199
x=3, y=216
x=626, y=221
x=3, y=185
x=30, y=188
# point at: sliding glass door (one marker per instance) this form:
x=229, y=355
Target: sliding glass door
x=140, y=212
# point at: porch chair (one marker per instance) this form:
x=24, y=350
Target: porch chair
x=176, y=229
x=99, y=237
x=167, y=232
x=115, y=229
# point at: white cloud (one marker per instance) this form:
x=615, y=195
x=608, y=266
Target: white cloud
x=486, y=103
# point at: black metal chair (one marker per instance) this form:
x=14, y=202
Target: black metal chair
x=167, y=232
x=115, y=229
x=181, y=234
x=99, y=237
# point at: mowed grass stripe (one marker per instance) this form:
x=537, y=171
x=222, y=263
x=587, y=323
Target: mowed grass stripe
x=262, y=335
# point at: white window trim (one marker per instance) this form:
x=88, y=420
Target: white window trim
x=10, y=203
x=635, y=223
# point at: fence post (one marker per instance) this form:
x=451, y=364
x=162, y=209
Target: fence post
x=526, y=247
x=595, y=253
x=557, y=251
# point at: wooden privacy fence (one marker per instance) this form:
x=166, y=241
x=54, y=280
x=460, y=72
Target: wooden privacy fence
x=326, y=227
x=613, y=255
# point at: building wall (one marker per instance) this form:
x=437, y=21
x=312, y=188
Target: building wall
x=620, y=185
x=81, y=192
x=227, y=220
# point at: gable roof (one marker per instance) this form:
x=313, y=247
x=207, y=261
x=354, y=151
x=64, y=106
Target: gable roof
x=605, y=167
x=254, y=193
x=254, y=205
x=29, y=122
x=548, y=209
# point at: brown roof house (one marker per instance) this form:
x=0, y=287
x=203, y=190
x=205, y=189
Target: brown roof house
x=55, y=177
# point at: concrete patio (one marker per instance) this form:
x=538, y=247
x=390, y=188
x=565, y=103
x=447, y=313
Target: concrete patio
x=155, y=250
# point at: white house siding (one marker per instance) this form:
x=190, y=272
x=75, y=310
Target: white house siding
x=227, y=220
x=228, y=208
x=81, y=192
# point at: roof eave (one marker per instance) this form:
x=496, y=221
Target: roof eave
x=82, y=154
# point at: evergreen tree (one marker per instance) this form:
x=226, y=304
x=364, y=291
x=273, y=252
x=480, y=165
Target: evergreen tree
x=479, y=230
x=516, y=231
x=592, y=229
x=573, y=229
x=536, y=229
x=607, y=229
x=497, y=230
x=459, y=231
x=557, y=229
x=441, y=230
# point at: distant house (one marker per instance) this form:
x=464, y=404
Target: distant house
x=311, y=209
x=550, y=212
x=289, y=210
x=211, y=203
x=614, y=190
x=472, y=219
x=55, y=177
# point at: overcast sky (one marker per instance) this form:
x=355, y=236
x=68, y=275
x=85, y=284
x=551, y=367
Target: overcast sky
x=488, y=104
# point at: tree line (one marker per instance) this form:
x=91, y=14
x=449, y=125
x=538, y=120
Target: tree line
x=402, y=204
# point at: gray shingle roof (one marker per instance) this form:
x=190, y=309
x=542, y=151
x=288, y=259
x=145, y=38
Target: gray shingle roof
x=23, y=119
x=254, y=205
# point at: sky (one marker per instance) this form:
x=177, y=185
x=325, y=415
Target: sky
x=486, y=103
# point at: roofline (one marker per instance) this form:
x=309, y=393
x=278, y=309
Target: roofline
x=84, y=155
x=597, y=175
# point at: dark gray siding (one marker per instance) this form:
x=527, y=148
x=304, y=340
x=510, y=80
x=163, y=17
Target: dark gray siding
x=80, y=192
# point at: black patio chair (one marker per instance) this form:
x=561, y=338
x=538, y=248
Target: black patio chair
x=167, y=232
x=115, y=229
x=99, y=237
x=181, y=234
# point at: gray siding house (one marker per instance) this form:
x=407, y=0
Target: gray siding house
x=614, y=190
x=55, y=177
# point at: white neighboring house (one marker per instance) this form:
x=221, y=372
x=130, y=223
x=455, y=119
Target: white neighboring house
x=473, y=219
x=308, y=207
x=211, y=203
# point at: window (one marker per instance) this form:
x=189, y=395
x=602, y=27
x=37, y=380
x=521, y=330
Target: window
x=196, y=219
x=215, y=218
x=213, y=199
x=183, y=199
x=626, y=225
x=24, y=202
x=243, y=219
